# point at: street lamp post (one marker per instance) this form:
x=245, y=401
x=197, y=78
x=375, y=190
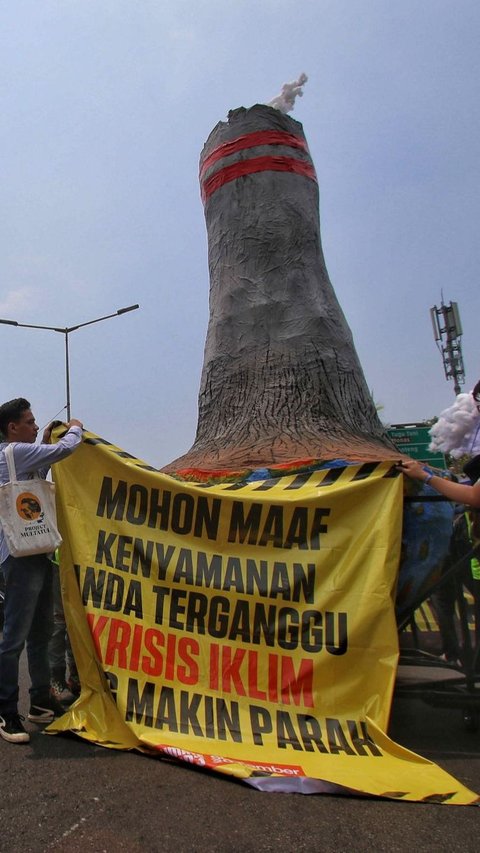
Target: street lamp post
x=66, y=331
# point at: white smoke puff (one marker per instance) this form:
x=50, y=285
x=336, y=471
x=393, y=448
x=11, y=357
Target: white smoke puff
x=457, y=430
x=285, y=101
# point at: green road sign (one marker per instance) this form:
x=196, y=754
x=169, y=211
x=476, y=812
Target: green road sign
x=413, y=440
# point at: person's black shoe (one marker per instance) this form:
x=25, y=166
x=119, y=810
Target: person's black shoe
x=46, y=710
x=11, y=729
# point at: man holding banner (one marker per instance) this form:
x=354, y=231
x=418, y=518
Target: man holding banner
x=28, y=614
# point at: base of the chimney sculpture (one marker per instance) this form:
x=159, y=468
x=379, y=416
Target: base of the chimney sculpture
x=278, y=453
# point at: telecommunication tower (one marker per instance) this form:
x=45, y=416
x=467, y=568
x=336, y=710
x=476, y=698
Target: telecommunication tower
x=447, y=331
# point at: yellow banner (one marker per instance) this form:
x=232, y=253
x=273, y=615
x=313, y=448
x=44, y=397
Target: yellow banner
x=244, y=628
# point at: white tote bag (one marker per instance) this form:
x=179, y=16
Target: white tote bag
x=27, y=513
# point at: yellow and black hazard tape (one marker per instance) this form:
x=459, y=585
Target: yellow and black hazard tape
x=95, y=440
x=426, y=621
x=319, y=478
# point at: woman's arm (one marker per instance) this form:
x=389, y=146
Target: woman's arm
x=458, y=492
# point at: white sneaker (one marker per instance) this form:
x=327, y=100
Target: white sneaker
x=11, y=729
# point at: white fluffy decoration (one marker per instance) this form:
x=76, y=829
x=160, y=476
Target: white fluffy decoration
x=457, y=430
x=285, y=101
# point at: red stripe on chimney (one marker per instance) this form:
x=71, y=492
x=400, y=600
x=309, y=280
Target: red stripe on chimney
x=252, y=140
x=256, y=164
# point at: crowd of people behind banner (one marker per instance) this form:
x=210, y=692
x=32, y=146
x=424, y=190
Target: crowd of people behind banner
x=461, y=567
x=33, y=609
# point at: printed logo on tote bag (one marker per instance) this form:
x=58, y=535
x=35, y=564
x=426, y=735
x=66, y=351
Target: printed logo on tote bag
x=28, y=507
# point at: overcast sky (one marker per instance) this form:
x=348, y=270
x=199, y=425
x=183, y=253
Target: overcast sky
x=105, y=107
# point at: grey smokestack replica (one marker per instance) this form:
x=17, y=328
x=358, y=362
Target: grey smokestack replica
x=281, y=379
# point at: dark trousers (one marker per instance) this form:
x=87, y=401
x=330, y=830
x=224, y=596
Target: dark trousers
x=60, y=650
x=28, y=618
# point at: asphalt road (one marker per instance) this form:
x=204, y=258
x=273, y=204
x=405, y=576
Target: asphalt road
x=60, y=793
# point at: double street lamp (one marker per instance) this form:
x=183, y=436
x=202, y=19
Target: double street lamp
x=66, y=331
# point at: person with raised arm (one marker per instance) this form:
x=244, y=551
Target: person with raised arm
x=28, y=610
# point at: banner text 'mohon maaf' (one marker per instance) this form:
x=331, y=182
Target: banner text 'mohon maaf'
x=184, y=514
